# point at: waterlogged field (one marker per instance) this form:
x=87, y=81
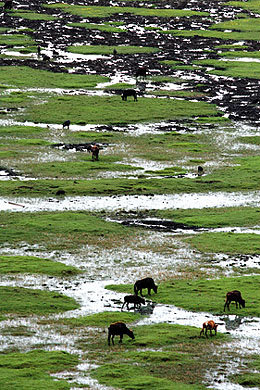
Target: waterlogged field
x=76, y=233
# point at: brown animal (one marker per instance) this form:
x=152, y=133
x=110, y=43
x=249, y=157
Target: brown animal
x=129, y=92
x=135, y=299
x=95, y=152
x=118, y=329
x=236, y=297
x=209, y=325
x=145, y=283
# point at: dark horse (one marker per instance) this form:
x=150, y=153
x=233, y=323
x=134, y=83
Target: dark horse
x=129, y=92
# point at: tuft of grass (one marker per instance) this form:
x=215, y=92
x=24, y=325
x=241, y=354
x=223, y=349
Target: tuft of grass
x=25, y=302
x=23, y=76
x=232, y=68
x=231, y=243
x=32, y=370
x=34, y=265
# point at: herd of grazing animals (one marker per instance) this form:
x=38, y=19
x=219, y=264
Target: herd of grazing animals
x=119, y=328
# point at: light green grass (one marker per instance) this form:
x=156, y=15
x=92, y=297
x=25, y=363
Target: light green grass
x=22, y=76
x=15, y=40
x=100, y=27
x=31, y=370
x=231, y=243
x=32, y=15
x=34, y=265
x=103, y=12
x=204, y=295
x=113, y=110
x=25, y=302
x=234, y=35
x=105, y=49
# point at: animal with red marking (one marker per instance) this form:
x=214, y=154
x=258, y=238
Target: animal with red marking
x=119, y=329
x=209, y=325
x=234, y=296
x=145, y=283
x=135, y=299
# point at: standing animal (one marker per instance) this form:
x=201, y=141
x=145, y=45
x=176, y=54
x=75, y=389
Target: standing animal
x=129, y=92
x=118, y=329
x=236, y=297
x=209, y=325
x=95, y=152
x=135, y=299
x=8, y=4
x=66, y=124
x=200, y=170
x=145, y=283
x=142, y=71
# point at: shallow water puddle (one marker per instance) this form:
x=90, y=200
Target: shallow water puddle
x=133, y=202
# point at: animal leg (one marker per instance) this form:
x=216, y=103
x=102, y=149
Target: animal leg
x=121, y=337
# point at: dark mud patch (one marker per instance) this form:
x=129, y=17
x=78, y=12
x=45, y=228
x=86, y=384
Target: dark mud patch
x=83, y=147
x=159, y=225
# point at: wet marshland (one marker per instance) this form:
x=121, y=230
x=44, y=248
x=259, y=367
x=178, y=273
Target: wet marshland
x=158, y=249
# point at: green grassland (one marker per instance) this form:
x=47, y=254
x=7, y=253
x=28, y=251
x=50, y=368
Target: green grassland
x=103, y=12
x=58, y=229
x=214, y=217
x=232, y=68
x=100, y=27
x=25, y=302
x=250, y=376
x=32, y=370
x=204, y=295
x=113, y=110
x=234, y=35
x=246, y=24
x=15, y=40
x=22, y=76
x=166, y=353
x=105, y=50
x=35, y=265
x=231, y=243
x=251, y=5
x=31, y=15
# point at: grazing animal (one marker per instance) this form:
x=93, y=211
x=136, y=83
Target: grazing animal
x=66, y=124
x=135, y=299
x=95, y=152
x=145, y=283
x=236, y=297
x=118, y=329
x=200, y=171
x=114, y=52
x=141, y=72
x=209, y=325
x=8, y=5
x=129, y=92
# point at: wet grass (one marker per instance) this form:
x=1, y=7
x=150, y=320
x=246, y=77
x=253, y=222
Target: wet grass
x=204, y=295
x=35, y=265
x=100, y=27
x=59, y=229
x=103, y=12
x=22, y=76
x=25, y=302
x=234, y=35
x=250, y=377
x=232, y=68
x=214, y=217
x=155, y=365
x=252, y=5
x=241, y=54
x=112, y=110
x=31, y=15
x=230, y=243
x=32, y=370
x=106, y=50
x=15, y=40
x=103, y=319
x=241, y=24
